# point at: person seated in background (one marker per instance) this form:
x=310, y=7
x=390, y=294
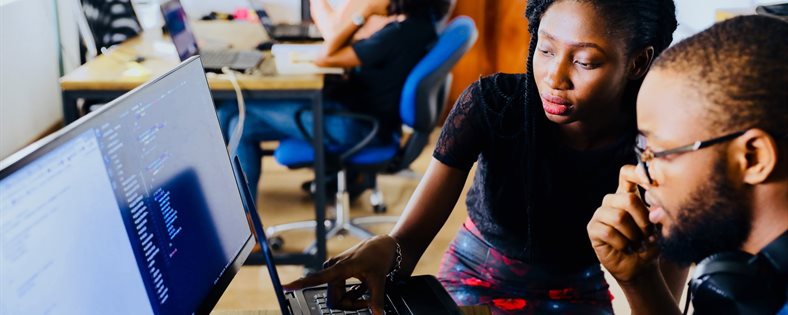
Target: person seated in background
x=379, y=63
x=328, y=20
x=725, y=206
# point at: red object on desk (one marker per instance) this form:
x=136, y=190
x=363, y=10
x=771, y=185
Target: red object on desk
x=241, y=14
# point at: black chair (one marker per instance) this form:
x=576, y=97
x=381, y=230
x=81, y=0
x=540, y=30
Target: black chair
x=105, y=23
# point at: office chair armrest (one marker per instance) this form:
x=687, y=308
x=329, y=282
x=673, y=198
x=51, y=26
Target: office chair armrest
x=302, y=128
x=300, y=125
x=358, y=146
x=367, y=139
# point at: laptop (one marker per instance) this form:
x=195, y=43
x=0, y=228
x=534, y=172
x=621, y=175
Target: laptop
x=137, y=208
x=182, y=36
x=285, y=32
x=414, y=296
x=132, y=209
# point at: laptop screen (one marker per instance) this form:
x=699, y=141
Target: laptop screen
x=298, y=32
x=177, y=24
x=131, y=210
x=265, y=20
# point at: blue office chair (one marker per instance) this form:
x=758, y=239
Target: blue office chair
x=423, y=98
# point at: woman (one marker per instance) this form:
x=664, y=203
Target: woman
x=381, y=40
x=548, y=146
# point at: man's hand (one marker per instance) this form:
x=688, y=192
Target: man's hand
x=620, y=231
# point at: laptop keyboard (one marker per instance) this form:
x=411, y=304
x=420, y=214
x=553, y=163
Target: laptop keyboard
x=319, y=299
x=219, y=57
x=233, y=59
x=248, y=58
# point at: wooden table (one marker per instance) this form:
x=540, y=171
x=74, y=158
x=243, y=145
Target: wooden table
x=120, y=70
x=112, y=74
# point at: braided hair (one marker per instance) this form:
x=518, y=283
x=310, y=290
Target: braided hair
x=641, y=23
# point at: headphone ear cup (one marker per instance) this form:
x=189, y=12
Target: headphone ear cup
x=728, y=283
x=723, y=263
x=711, y=281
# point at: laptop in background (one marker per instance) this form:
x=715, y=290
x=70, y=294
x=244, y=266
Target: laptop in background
x=285, y=32
x=133, y=209
x=186, y=44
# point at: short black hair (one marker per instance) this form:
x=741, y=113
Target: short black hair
x=741, y=67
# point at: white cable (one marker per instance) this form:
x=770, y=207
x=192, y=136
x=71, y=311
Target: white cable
x=111, y=54
x=235, y=136
x=84, y=30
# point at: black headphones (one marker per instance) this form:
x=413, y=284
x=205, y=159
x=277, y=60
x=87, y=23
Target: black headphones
x=740, y=283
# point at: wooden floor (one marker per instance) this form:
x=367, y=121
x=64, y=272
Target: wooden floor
x=281, y=200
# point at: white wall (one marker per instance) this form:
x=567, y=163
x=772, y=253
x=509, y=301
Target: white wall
x=31, y=41
x=29, y=72
x=697, y=15
x=281, y=11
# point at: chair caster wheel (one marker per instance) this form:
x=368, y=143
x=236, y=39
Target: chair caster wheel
x=379, y=208
x=276, y=242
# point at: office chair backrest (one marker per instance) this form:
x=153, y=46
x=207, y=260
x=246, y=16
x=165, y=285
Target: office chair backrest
x=425, y=90
x=109, y=22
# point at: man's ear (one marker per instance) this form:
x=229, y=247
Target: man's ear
x=755, y=156
x=639, y=64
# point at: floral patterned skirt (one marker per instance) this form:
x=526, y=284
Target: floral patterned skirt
x=475, y=273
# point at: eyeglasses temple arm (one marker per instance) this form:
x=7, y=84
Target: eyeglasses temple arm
x=697, y=145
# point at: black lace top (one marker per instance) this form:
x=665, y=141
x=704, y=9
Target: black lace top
x=486, y=126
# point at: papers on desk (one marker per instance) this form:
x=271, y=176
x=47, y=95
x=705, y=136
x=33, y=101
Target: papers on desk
x=299, y=59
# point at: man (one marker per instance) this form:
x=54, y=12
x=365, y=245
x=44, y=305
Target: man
x=727, y=195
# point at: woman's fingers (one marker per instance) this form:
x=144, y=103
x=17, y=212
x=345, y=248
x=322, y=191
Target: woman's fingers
x=377, y=293
x=336, y=293
x=333, y=273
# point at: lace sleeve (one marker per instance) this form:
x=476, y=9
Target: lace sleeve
x=461, y=137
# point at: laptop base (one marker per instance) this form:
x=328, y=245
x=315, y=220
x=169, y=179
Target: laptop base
x=295, y=32
x=237, y=60
x=416, y=295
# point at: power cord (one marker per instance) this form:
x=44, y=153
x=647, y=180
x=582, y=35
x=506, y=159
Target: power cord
x=235, y=137
x=113, y=51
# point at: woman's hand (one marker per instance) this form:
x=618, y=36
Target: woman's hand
x=369, y=261
x=620, y=231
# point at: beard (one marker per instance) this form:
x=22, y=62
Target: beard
x=715, y=218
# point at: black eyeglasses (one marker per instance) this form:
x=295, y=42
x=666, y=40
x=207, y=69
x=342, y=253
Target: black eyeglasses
x=645, y=155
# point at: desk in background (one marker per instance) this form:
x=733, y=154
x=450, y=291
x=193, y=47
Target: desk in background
x=114, y=73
